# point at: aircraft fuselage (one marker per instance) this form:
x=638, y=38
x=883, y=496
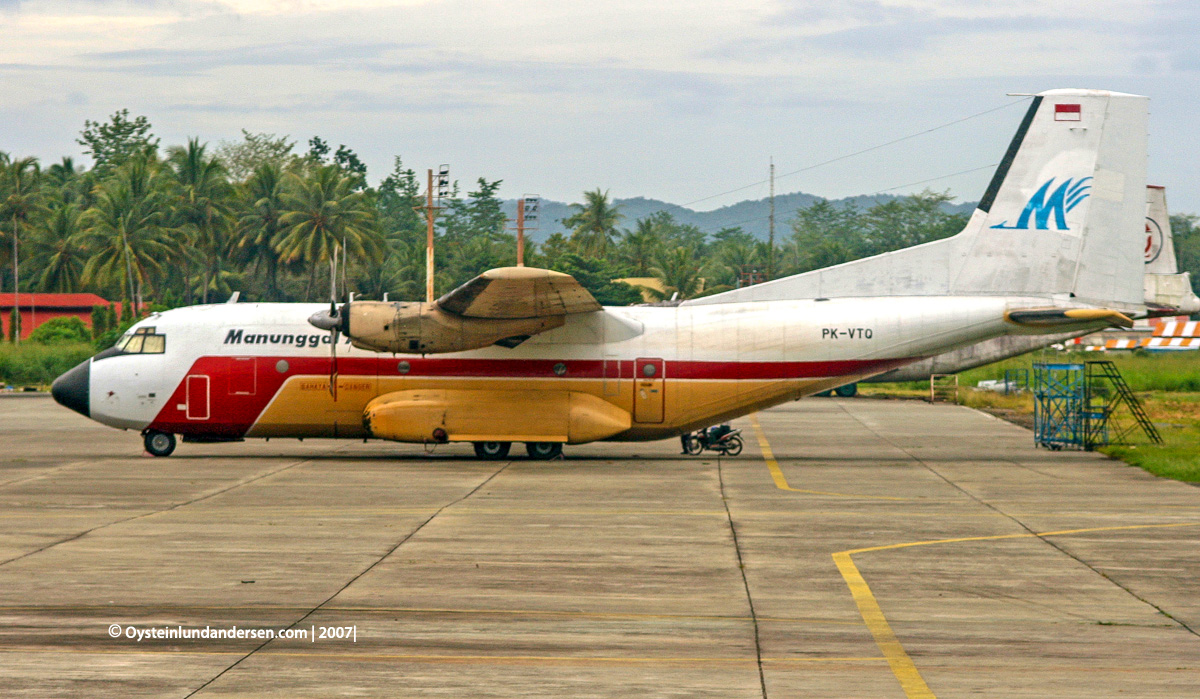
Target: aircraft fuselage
x=260, y=370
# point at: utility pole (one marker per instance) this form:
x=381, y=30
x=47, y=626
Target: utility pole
x=16, y=289
x=443, y=184
x=429, y=239
x=771, y=229
x=521, y=232
x=527, y=210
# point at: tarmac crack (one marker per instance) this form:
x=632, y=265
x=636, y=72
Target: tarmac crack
x=354, y=579
x=762, y=679
x=174, y=506
x=1024, y=526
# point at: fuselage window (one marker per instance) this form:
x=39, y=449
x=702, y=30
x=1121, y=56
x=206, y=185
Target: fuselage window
x=143, y=341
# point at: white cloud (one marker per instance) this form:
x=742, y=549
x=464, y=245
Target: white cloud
x=674, y=100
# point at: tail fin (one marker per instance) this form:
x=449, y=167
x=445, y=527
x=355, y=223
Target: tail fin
x=1168, y=292
x=1064, y=214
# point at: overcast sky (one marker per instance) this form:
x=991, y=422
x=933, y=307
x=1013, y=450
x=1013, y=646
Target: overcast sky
x=674, y=100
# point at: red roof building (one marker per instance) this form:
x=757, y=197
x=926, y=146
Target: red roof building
x=39, y=308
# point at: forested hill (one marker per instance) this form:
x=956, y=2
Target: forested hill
x=751, y=215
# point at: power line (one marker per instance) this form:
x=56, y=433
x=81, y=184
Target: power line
x=881, y=191
x=934, y=179
x=864, y=150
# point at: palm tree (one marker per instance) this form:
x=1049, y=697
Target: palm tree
x=202, y=207
x=127, y=228
x=593, y=224
x=679, y=272
x=19, y=206
x=57, y=249
x=324, y=215
x=641, y=246
x=258, y=226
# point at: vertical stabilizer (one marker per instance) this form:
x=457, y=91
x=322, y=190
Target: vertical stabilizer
x=1059, y=214
x=1160, y=245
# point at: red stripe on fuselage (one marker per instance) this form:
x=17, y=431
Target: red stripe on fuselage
x=233, y=413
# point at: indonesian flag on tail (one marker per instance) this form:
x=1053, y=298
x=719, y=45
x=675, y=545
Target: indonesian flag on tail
x=1067, y=112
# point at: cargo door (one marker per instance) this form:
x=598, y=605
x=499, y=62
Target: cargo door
x=612, y=376
x=648, y=390
x=243, y=376
x=197, y=397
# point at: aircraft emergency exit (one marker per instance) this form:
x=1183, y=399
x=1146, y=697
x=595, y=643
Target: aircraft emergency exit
x=527, y=355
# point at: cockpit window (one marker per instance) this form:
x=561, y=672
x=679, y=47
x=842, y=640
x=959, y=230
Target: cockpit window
x=142, y=341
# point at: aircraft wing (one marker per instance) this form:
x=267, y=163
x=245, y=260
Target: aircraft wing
x=519, y=292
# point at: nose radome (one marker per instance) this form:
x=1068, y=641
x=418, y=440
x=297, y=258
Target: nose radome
x=71, y=390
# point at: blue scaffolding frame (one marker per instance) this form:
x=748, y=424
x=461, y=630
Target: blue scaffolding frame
x=1060, y=399
x=1075, y=406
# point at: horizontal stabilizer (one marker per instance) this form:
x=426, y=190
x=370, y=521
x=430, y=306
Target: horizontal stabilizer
x=1052, y=317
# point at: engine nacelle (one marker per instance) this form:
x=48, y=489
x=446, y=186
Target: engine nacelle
x=423, y=328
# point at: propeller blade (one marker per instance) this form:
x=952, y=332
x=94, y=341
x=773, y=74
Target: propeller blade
x=333, y=367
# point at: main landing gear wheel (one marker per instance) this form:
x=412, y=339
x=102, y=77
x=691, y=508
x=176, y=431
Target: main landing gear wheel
x=159, y=443
x=543, y=450
x=492, y=450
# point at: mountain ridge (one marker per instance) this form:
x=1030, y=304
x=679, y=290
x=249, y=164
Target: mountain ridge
x=752, y=215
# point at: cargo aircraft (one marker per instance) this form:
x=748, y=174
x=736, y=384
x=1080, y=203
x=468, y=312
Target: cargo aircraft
x=527, y=355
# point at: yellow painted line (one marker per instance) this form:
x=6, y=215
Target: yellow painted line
x=902, y=666
x=781, y=481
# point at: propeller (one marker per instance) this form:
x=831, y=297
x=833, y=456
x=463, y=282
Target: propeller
x=334, y=320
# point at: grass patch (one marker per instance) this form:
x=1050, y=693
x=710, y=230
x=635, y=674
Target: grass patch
x=1168, y=385
x=34, y=364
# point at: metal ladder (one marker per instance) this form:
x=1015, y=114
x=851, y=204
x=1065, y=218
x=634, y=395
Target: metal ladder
x=1106, y=370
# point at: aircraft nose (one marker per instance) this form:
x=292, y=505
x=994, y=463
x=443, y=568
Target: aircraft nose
x=71, y=390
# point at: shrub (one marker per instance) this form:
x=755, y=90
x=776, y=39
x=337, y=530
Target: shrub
x=35, y=364
x=58, y=331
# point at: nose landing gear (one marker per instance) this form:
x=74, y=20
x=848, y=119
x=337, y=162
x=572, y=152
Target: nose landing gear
x=158, y=443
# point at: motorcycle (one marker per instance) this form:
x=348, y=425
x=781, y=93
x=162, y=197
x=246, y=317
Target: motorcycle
x=719, y=438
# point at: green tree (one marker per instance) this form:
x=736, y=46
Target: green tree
x=202, y=211
x=1185, y=232
x=907, y=221
x=824, y=235
x=733, y=253
x=596, y=275
x=324, y=214
x=640, y=247
x=243, y=158
x=680, y=272
x=57, y=249
x=20, y=206
x=113, y=142
x=127, y=229
x=594, y=223
x=258, y=225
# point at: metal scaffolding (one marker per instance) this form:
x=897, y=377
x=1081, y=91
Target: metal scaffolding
x=1076, y=406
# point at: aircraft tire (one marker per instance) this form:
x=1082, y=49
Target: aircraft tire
x=159, y=443
x=492, y=450
x=848, y=391
x=543, y=451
